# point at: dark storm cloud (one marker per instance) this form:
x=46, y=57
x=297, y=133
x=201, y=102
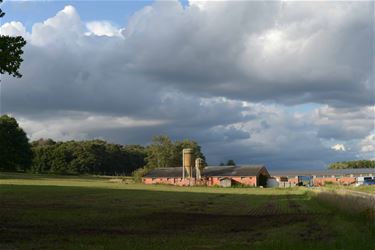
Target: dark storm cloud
x=255, y=51
x=342, y=133
x=288, y=52
x=205, y=72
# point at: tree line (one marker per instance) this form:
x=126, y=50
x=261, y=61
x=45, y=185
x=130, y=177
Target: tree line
x=353, y=164
x=86, y=157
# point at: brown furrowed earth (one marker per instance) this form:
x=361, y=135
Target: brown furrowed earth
x=44, y=212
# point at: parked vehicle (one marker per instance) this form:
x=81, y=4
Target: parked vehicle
x=369, y=182
x=306, y=181
x=361, y=180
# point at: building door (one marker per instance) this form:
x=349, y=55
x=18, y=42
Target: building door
x=262, y=180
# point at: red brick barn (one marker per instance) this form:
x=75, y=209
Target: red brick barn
x=249, y=175
x=321, y=177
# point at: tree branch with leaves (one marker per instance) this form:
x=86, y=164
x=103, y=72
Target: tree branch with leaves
x=11, y=53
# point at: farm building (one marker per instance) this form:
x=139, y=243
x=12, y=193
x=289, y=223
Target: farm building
x=193, y=172
x=249, y=175
x=320, y=177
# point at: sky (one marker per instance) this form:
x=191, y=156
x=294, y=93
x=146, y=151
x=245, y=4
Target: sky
x=288, y=84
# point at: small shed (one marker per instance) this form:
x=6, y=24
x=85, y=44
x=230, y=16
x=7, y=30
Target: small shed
x=225, y=182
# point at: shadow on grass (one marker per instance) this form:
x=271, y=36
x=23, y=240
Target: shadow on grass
x=40, y=216
x=31, y=176
x=360, y=206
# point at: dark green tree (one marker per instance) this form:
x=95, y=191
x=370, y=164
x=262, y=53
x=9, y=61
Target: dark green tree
x=10, y=53
x=15, y=150
x=61, y=158
x=1, y=11
x=164, y=153
x=231, y=163
x=352, y=164
x=41, y=160
x=161, y=152
x=86, y=157
x=43, y=142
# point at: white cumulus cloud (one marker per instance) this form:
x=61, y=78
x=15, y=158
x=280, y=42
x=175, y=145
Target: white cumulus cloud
x=339, y=147
x=102, y=28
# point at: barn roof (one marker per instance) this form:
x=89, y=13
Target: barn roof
x=354, y=171
x=248, y=170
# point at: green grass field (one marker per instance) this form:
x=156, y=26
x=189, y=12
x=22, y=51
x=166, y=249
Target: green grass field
x=367, y=189
x=54, y=212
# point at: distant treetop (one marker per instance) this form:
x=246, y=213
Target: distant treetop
x=231, y=163
x=352, y=164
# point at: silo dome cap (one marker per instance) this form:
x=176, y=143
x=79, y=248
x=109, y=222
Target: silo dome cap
x=188, y=150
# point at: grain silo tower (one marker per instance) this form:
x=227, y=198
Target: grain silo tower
x=199, y=165
x=187, y=162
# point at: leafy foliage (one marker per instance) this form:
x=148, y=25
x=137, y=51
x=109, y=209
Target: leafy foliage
x=10, y=53
x=1, y=12
x=163, y=153
x=160, y=153
x=100, y=157
x=139, y=173
x=15, y=152
x=86, y=157
x=353, y=164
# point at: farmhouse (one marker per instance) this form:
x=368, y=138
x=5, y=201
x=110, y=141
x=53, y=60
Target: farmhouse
x=249, y=175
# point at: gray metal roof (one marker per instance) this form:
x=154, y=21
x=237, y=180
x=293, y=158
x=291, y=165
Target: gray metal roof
x=248, y=170
x=355, y=171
